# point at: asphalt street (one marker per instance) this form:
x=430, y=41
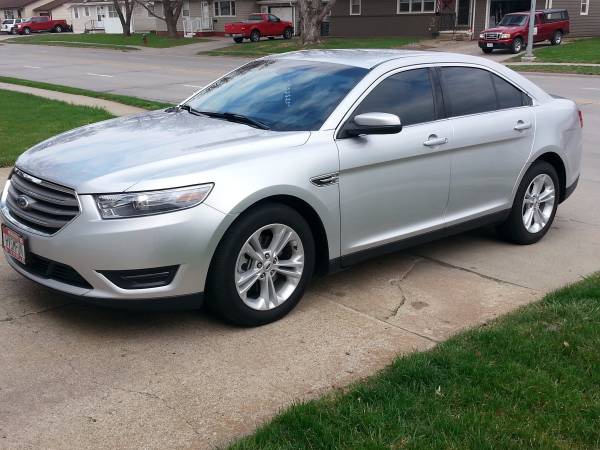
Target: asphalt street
x=82, y=377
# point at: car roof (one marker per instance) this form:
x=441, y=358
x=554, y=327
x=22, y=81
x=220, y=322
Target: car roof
x=371, y=58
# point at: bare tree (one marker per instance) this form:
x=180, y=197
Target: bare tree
x=171, y=13
x=312, y=14
x=125, y=18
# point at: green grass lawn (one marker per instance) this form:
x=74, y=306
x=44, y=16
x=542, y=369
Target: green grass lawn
x=574, y=51
x=528, y=380
x=113, y=41
x=581, y=70
x=125, y=99
x=267, y=47
x=26, y=120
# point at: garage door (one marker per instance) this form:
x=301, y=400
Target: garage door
x=284, y=13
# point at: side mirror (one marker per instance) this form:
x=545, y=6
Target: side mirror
x=372, y=123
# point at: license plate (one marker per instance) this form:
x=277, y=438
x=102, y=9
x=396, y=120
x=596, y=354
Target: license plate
x=14, y=244
x=490, y=45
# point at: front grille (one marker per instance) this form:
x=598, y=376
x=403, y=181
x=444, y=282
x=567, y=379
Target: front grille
x=53, y=270
x=492, y=36
x=40, y=205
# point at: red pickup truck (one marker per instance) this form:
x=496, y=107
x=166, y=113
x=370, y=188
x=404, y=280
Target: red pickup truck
x=512, y=31
x=257, y=26
x=42, y=23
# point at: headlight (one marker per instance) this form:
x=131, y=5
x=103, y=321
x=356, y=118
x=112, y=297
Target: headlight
x=505, y=36
x=481, y=36
x=136, y=204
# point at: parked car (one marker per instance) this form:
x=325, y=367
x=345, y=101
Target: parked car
x=513, y=30
x=42, y=23
x=292, y=164
x=8, y=25
x=257, y=26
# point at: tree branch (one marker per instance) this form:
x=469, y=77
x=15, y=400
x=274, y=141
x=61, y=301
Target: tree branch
x=150, y=11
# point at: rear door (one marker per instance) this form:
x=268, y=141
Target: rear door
x=494, y=126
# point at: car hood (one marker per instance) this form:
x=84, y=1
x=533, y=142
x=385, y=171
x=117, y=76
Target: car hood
x=500, y=30
x=157, y=147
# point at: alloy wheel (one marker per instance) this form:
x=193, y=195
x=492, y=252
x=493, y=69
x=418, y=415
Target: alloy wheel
x=538, y=203
x=269, y=267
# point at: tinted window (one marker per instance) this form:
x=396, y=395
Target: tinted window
x=255, y=18
x=468, y=91
x=272, y=18
x=283, y=94
x=408, y=94
x=508, y=95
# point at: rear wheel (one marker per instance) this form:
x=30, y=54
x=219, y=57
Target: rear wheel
x=487, y=50
x=58, y=29
x=262, y=266
x=238, y=40
x=26, y=30
x=534, y=207
x=517, y=45
x=288, y=33
x=255, y=36
x=556, y=38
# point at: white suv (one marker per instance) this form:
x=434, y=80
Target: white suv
x=8, y=25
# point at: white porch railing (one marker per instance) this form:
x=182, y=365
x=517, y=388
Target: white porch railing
x=193, y=25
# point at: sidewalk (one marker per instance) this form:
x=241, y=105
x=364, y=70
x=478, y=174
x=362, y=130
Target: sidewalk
x=540, y=63
x=117, y=109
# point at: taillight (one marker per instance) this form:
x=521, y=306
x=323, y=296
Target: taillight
x=580, y=118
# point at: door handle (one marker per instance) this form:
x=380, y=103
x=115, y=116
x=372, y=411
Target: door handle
x=520, y=126
x=434, y=141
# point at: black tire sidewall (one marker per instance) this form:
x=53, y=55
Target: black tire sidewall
x=556, y=38
x=514, y=47
x=222, y=295
x=514, y=228
x=287, y=34
x=255, y=36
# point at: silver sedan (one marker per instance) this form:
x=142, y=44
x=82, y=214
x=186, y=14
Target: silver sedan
x=290, y=165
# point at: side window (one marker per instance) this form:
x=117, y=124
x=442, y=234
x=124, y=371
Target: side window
x=467, y=91
x=508, y=95
x=408, y=94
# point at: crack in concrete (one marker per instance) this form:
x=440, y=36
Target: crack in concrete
x=376, y=319
x=481, y=275
x=584, y=223
x=397, y=282
x=33, y=313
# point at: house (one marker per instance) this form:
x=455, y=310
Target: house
x=12, y=9
x=427, y=17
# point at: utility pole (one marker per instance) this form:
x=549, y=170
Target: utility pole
x=529, y=53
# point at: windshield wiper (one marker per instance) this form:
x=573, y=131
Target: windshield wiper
x=191, y=110
x=238, y=118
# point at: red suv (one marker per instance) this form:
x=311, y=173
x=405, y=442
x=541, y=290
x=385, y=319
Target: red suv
x=512, y=31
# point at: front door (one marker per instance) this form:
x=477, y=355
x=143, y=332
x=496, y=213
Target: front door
x=394, y=186
x=493, y=138
x=206, y=19
x=100, y=15
x=463, y=10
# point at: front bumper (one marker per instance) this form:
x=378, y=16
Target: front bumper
x=496, y=44
x=89, y=245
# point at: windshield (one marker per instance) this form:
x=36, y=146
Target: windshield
x=284, y=95
x=513, y=21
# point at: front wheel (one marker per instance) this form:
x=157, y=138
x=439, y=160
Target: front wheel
x=58, y=29
x=556, y=38
x=238, y=40
x=288, y=33
x=487, y=50
x=517, y=45
x=262, y=266
x=255, y=36
x=26, y=31
x=534, y=207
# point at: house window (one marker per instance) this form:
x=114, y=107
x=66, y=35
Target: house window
x=585, y=7
x=186, y=8
x=355, y=6
x=150, y=9
x=75, y=12
x=86, y=11
x=224, y=9
x=9, y=14
x=112, y=12
x=416, y=6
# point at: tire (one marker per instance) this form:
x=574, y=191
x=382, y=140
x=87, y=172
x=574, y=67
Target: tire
x=288, y=33
x=517, y=45
x=230, y=263
x=556, y=38
x=58, y=29
x=238, y=40
x=255, y=36
x=13, y=31
x=514, y=228
x=487, y=50
x=26, y=30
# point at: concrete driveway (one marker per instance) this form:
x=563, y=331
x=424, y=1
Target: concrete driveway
x=77, y=376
